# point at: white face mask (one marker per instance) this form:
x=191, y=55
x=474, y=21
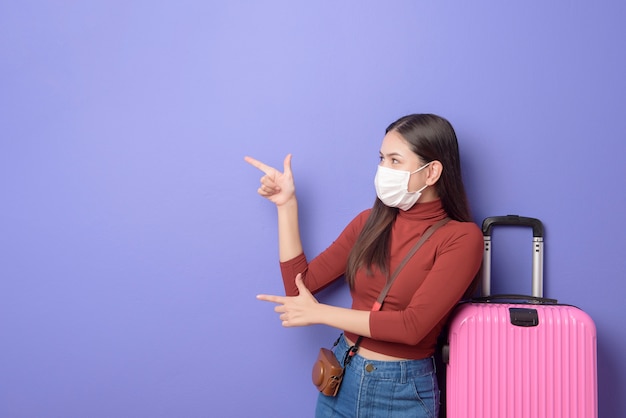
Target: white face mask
x=392, y=187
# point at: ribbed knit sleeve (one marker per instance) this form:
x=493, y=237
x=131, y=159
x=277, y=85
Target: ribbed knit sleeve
x=328, y=266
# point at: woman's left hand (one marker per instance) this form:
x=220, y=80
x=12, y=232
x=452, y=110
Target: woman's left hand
x=295, y=311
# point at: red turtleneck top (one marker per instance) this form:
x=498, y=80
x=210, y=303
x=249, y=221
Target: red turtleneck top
x=425, y=290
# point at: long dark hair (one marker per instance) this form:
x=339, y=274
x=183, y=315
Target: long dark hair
x=432, y=138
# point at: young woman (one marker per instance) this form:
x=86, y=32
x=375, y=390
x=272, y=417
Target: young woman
x=418, y=183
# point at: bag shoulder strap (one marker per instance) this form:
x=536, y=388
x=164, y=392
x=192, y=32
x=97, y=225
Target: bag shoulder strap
x=379, y=302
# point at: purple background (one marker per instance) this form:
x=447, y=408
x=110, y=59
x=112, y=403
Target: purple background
x=132, y=241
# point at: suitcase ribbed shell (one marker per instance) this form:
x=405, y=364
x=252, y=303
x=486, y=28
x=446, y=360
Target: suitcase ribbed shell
x=500, y=370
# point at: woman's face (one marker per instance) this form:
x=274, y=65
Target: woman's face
x=395, y=153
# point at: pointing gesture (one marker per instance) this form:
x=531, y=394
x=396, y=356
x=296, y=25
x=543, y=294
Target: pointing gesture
x=277, y=187
x=295, y=311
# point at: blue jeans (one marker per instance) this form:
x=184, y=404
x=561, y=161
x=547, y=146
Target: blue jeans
x=375, y=389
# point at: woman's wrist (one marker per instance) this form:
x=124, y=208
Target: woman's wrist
x=289, y=203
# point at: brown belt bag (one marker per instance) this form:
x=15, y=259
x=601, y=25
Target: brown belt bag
x=327, y=372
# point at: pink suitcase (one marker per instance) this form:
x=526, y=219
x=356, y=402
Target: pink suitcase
x=513, y=356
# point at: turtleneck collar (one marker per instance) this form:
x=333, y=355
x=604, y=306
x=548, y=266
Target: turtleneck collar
x=424, y=211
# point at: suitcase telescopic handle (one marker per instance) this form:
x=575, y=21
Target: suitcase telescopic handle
x=492, y=221
x=537, y=250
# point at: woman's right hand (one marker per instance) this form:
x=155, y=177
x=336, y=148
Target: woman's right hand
x=277, y=187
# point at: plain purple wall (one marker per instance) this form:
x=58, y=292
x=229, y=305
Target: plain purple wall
x=132, y=241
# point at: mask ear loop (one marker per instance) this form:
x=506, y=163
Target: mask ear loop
x=419, y=169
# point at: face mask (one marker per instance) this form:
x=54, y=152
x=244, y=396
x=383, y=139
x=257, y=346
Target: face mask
x=392, y=187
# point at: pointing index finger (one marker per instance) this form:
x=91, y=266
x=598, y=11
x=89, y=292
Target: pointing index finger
x=271, y=298
x=258, y=164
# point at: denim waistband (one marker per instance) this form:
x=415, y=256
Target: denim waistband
x=402, y=369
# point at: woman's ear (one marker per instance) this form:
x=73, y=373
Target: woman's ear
x=435, y=169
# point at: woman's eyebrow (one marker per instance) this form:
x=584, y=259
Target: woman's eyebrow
x=391, y=154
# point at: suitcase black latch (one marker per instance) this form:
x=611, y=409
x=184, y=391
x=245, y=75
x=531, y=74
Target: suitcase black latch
x=524, y=317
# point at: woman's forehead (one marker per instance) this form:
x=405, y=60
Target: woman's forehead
x=394, y=143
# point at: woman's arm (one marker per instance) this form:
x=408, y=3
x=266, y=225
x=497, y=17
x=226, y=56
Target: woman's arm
x=279, y=188
x=304, y=309
x=289, y=241
x=327, y=266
